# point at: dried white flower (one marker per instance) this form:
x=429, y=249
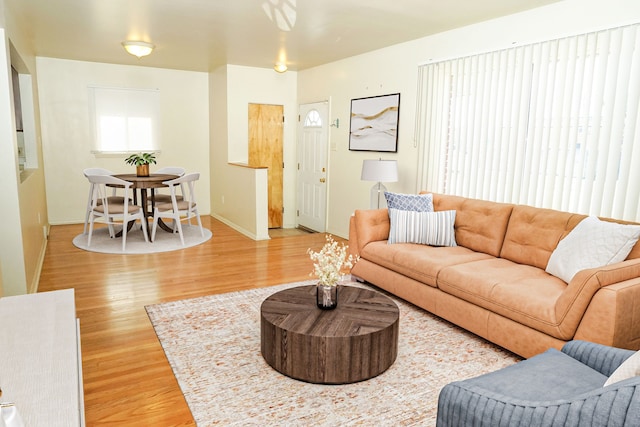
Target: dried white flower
x=329, y=262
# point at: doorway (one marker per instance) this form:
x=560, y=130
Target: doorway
x=265, y=150
x=313, y=136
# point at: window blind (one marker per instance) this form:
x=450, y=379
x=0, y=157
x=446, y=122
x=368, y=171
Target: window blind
x=124, y=120
x=552, y=124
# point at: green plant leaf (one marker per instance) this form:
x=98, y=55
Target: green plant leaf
x=139, y=159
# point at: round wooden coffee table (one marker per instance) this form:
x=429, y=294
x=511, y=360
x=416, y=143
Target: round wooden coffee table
x=356, y=341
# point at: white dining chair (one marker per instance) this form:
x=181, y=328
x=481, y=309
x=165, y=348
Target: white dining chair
x=103, y=207
x=113, y=198
x=163, y=197
x=179, y=210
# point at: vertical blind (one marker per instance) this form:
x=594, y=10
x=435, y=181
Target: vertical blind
x=554, y=124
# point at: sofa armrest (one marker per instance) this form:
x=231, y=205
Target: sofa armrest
x=580, y=292
x=612, y=316
x=370, y=226
x=602, y=358
x=609, y=274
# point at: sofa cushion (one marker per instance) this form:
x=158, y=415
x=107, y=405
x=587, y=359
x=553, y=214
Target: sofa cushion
x=419, y=262
x=480, y=225
x=533, y=234
x=522, y=293
x=592, y=243
x=410, y=202
x=426, y=228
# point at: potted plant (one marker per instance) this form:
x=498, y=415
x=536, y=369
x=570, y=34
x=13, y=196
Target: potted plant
x=141, y=162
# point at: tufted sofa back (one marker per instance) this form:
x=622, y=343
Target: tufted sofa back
x=533, y=234
x=480, y=225
x=519, y=233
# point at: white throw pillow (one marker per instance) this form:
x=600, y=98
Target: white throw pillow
x=630, y=368
x=426, y=228
x=592, y=243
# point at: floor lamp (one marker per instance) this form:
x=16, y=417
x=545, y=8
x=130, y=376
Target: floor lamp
x=379, y=171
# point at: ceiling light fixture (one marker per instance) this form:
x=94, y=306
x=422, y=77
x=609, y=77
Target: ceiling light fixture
x=280, y=67
x=138, y=49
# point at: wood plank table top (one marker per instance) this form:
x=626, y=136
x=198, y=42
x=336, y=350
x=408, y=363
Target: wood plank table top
x=143, y=183
x=355, y=341
x=154, y=180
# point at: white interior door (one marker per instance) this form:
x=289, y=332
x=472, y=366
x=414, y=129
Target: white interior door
x=313, y=136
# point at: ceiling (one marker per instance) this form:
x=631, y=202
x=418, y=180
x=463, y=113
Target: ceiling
x=201, y=35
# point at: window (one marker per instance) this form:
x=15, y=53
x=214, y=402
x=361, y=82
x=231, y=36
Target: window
x=124, y=120
x=313, y=119
x=553, y=124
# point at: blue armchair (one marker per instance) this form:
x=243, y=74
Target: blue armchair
x=555, y=388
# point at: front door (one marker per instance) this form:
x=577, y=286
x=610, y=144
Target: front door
x=265, y=150
x=313, y=135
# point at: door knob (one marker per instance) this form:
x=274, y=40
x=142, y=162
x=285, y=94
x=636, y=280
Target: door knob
x=322, y=180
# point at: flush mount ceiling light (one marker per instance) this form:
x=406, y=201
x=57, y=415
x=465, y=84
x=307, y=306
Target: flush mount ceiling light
x=280, y=67
x=138, y=49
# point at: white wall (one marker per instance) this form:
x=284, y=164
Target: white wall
x=395, y=69
x=11, y=251
x=233, y=89
x=264, y=86
x=66, y=134
x=23, y=211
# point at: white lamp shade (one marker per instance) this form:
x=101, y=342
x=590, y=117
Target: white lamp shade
x=379, y=170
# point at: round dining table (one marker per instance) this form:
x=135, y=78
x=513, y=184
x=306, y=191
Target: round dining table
x=144, y=184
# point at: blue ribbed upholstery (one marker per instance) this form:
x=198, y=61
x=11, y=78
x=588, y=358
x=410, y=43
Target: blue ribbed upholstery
x=488, y=400
x=600, y=357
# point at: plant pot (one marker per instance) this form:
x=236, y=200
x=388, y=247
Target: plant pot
x=142, y=170
x=326, y=297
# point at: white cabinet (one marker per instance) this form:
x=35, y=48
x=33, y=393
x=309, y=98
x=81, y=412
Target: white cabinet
x=40, y=359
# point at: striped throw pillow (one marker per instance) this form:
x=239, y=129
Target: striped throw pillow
x=426, y=228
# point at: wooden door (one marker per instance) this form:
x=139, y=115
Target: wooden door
x=265, y=150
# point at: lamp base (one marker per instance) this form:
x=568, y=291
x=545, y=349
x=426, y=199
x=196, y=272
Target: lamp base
x=378, y=201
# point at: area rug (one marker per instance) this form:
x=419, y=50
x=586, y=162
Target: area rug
x=164, y=242
x=213, y=346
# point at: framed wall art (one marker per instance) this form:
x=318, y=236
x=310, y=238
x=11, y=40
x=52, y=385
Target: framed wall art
x=374, y=123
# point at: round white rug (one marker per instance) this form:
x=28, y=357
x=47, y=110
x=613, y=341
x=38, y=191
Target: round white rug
x=165, y=242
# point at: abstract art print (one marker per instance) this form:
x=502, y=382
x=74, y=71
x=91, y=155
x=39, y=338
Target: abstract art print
x=374, y=123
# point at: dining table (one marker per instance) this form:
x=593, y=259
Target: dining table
x=146, y=185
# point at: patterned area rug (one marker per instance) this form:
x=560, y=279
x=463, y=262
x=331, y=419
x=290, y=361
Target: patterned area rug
x=213, y=346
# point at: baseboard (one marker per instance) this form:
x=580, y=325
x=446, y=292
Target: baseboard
x=308, y=230
x=33, y=287
x=238, y=228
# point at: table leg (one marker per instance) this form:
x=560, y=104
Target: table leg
x=144, y=198
x=130, y=223
x=161, y=223
x=129, y=227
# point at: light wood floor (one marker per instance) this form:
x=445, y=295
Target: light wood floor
x=127, y=379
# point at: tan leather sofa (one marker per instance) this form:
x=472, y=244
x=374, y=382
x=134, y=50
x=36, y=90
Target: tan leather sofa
x=494, y=282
